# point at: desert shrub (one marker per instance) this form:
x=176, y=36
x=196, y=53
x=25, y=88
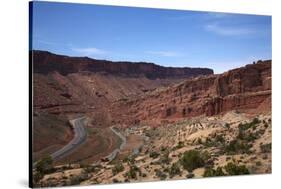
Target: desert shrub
x=205, y=155
x=174, y=170
x=132, y=173
x=129, y=159
x=226, y=125
x=180, y=144
x=160, y=174
x=246, y=126
x=37, y=177
x=91, y=168
x=154, y=155
x=162, y=149
x=115, y=180
x=75, y=180
x=210, y=172
x=199, y=141
x=233, y=169
x=191, y=160
x=117, y=168
x=164, y=159
x=265, y=148
x=189, y=175
x=209, y=142
x=256, y=121
x=237, y=146
x=44, y=165
x=82, y=165
x=249, y=137
x=258, y=163
x=219, y=138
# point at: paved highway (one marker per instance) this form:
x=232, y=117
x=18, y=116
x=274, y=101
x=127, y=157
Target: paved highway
x=114, y=153
x=79, y=138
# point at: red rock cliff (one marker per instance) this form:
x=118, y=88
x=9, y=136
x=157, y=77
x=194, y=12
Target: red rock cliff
x=45, y=62
x=240, y=89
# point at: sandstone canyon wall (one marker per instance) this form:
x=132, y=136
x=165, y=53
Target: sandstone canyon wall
x=242, y=89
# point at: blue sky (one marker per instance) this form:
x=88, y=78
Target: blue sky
x=166, y=37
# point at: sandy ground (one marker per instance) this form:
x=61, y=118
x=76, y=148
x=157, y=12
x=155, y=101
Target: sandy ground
x=177, y=139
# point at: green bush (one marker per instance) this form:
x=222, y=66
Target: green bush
x=117, y=168
x=209, y=142
x=132, y=173
x=227, y=125
x=249, y=137
x=154, y=155
x=237, y=146
x=160, y=174
x=180, y=144
x=258, y=163
x=75, y=180
x=233, y=169
x=44, y=165
x=265, y=148
x=252, y=124
x=174, y=170
x=164, y=159
x=209, y=172
x=37, y=177
x=115, y=180
x=191, y=160
x=219, y=138
x=255, y=121
x=91, y=168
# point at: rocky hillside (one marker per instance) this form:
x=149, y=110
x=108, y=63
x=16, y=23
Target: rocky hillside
x=46, y=62
x=78, y=84
x=243, y=89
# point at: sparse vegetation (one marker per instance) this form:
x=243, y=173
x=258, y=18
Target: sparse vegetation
x=210, y=172
x=44, y=165
x=117, y=168
x=265, y=148
x=227, y=125
x=258, y=163
x=175, y=169
x=236, y=147
x=246, y=126
x=233, y=169
x=160, y=174
x=154, y=155
x=191, y=160
x=180, y=144
x=164, y=159
x=132, y=173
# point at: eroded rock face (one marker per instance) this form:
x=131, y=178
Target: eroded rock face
x=240, y=89
x=45, y=62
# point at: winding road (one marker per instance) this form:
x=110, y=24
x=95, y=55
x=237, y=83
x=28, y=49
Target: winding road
x=114, y=153
x=79, y=137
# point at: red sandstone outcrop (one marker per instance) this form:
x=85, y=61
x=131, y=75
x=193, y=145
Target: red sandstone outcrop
x=242, y=89
x=45, y=62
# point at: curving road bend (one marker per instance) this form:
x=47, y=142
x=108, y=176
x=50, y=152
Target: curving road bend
x=79, y=137
x=114, y=153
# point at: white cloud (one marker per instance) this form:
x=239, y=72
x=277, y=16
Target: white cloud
x=228, y=31
x=223, y=66
x=47, y=42
x=218, y=15
x=89, y=51
x=165, y=53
